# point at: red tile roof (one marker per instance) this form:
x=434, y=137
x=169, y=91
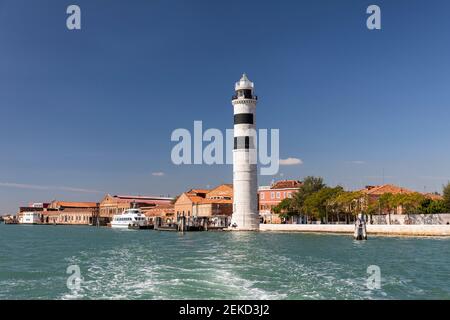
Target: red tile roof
x=393, y=189
x=433, y=196
x=160, y=206
x=386, y=188
x=219, y=201
x=286, y=184
x=194, y=198
x=76, y=204
x=127, y=197
x=198, y=191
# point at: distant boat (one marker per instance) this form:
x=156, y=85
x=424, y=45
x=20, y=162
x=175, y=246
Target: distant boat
x=129, y=218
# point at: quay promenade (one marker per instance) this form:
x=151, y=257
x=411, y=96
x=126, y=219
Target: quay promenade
x=394, y=230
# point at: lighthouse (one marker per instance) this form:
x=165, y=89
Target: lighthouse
x=245, y=184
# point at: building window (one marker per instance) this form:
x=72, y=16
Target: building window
x=278, y=195
x=262, y=195
x=272, y=195
x=289, y=194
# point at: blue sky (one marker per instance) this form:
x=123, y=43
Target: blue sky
x=87, y=112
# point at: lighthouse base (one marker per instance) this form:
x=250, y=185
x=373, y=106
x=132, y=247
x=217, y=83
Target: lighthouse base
x=244, y=222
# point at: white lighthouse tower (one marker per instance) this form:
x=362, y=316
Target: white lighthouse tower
x=245, y=185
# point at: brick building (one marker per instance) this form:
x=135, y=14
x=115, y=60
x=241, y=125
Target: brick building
x=205, y=203
x=372, y=193
x=111, y=205
x=76, y=213
x=270, y=196
x=163, y=211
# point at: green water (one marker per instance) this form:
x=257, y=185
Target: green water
x=123, y=264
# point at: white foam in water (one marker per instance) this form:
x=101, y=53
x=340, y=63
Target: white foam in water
x=153, y=265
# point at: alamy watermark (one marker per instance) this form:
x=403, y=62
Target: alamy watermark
x=73, y=21
x=374, y=20
x=219, y=147
x=74, y=280
x=374, y=280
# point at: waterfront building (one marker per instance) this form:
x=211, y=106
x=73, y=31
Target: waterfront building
x=211, y=207
x=205, y=203
x=9, y=219
x=221, y=192
x=245, y=196
x=59, y=212
x=74, y=213
x=373, y=193
x=163, y=211
x=270, y=196
x=30, y=217
x=112, y=205
x=33, y=213
x=199, y=192
x=186, y=202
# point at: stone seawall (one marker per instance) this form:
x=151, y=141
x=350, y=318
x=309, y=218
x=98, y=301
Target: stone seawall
x=399, y=230
x=419, y=219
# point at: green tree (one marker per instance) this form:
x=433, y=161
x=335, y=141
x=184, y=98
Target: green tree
x=350, y=203
x=446, y=196
x=429, y=206
x=310, y=186
x=424, y=206
x=385, y=204
x=411, y=202
x=318, y=204
x=437, y=206
x=332, y=206
x=285, y=209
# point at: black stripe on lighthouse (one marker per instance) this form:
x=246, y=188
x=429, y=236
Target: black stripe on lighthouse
x=243, y=142
x=243, y=118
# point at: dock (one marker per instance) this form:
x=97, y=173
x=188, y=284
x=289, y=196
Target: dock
x=138, y=227
x=171, y=227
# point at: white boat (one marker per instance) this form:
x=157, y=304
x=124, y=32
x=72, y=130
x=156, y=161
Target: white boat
x=129, y=218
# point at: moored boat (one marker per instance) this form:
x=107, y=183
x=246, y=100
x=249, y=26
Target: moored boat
x=130, y=218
